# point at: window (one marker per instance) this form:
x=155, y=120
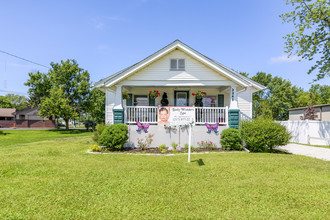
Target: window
x=209, y=101
x=177, y=64
x=140, y=100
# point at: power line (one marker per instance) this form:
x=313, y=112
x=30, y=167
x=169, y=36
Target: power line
x=24, y=59
x=6, y=91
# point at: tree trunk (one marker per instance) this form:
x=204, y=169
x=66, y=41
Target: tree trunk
x=66, y=124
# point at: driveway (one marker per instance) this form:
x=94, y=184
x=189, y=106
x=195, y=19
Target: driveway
x=316, y=152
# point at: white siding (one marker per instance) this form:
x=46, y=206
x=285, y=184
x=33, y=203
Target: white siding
x=160, y=70
x=109, y=104
x=245, y=102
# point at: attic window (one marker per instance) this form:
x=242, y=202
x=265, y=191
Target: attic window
x=177, y=64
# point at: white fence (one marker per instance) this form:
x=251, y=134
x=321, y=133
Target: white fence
x=309, y=132
x=148, y=114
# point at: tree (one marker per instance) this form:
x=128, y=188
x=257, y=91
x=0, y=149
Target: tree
x=62, y=92
x=311, y=39
x=5, y=103
x=96, y=105
x=274, y=101
x=18, y=102
x=39, y=86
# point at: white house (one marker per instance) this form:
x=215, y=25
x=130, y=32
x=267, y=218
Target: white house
x=179, y=71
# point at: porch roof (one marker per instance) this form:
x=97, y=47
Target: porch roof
x=231, y=74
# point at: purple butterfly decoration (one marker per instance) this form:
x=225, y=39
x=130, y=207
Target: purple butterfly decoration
x=142, y=127
x=214, y=127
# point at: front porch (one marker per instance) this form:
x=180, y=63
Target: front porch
x=149, y=114
x=139, y=106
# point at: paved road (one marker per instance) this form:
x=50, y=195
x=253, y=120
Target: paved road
x=317, y=152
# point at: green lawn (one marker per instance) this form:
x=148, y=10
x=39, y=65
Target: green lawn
x=57, y=179
x=15, y=137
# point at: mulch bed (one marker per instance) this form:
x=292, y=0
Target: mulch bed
x=157, y=151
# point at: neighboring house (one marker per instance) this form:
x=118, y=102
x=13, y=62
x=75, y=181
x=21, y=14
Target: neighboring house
x=179, y=71
x=6, y=117
x=29, y=114
x=29, y=118
x=322, y=112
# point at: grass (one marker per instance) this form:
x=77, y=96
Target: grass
x=15, y=137
x=324, y=146
x=57, y=179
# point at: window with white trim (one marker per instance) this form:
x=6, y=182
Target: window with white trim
x=177, y=64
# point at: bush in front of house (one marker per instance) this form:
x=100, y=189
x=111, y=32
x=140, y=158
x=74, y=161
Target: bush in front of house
x=95, y=148
x=97, y=133
x=263, y=135
x=231, y=139
x=114, y=136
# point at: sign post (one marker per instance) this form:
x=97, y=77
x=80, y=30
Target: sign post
x=178, y=116
x=189, y=142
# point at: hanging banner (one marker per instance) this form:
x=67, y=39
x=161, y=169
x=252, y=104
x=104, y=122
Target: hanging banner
x=176, y=115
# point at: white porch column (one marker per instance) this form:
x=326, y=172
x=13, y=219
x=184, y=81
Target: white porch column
x=109, y=104
x=118, y=98
x=233, y=98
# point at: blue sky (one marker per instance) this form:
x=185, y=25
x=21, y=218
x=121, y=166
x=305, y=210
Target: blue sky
x=107, y=36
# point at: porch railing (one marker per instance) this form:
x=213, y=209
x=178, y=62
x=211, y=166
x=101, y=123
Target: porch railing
x=211, y=115
x=243, y=117
x=148, y=114
x=143, y=114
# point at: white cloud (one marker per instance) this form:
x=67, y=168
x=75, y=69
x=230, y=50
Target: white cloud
x=284, y=59
x=99, y=22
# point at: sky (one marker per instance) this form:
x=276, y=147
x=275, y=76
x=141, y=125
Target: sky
x=105, y=37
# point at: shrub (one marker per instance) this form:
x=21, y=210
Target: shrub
x=95, y=148
x=263, y=135
x=114, y=136
x=207, y=145
x=1, y=132
x=231, y=139
x=144, y=144
x=162, y=147
x=186, y=145
x=174, y=145
x=97, y=133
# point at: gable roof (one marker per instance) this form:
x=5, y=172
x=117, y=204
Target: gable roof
x=231, y=74
x=27, y=111
x=7, y=112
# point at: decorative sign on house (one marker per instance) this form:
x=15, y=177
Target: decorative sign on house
x=176, y=115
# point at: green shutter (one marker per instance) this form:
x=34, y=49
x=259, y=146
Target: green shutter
x=221, y=101
x=129, y=102
x=151, y=101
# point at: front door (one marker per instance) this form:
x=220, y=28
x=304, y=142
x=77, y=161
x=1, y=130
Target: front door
x=181, y=98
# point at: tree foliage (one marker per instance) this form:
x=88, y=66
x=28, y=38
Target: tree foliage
x=5, y=103
x=280, y=95
x=274, y=101
x=63, y=92
x=96, y=105
x=311, y=38
x=13, y=101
